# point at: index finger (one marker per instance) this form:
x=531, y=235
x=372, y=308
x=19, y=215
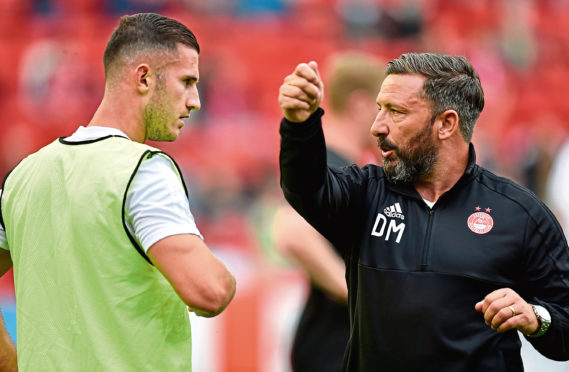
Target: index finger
x=494, y=296
x=314, y=66
x=307, y=72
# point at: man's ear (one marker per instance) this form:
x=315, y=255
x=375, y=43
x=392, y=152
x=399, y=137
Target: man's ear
x=447, y=124
x=144, y=78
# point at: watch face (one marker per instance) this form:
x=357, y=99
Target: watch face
x=542, y=313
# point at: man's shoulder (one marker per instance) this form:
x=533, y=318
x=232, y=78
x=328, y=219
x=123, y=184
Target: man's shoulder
x=508, y=190
x=118, y=147
x=370, y=176
x=113, y=150
x=43, y=151
x=503, y=185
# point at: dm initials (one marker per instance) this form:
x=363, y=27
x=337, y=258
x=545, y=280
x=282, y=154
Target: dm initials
x=393, y=227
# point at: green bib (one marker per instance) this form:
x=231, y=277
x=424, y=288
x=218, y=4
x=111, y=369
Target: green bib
x=87, y=298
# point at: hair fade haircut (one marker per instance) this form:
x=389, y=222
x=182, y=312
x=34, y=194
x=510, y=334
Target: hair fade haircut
x=146, y=31
x=451, y=83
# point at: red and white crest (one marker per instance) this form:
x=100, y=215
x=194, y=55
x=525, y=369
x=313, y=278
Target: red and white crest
x=480, y=222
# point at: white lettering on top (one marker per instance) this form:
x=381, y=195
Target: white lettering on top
x=393, y=227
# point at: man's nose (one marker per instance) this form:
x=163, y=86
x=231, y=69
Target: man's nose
x=379, y=126
x=193, y=100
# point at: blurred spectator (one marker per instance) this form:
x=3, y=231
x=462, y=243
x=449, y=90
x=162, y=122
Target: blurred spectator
x=517, y=34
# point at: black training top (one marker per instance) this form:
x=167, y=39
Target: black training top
x=415, y=273
x=324, y=326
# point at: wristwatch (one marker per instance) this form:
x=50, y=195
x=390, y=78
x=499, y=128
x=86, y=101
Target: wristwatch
x=543, y=318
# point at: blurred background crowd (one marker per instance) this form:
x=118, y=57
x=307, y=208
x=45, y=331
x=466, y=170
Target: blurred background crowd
x=51, y=81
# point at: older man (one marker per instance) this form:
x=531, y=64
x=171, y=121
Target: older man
x=444, y=260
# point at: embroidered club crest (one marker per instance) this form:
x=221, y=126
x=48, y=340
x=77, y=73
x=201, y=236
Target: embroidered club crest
x=480, y=222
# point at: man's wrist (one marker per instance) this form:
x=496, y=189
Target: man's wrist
x=543, y=319
x=306, y=129
x=315, y=115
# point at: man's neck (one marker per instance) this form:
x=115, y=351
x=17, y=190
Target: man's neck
x=126, y=119
x=447, y=171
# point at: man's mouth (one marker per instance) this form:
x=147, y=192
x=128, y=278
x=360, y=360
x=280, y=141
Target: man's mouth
x=386, y=149
x=386, y=153
x=182, y=120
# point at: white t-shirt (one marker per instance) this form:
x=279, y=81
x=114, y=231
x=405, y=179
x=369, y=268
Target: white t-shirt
x=156, y=205
x=429, y=203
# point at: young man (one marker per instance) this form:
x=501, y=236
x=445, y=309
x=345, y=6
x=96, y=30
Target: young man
x=324, y=327
x=107, y=257
x=444, y=260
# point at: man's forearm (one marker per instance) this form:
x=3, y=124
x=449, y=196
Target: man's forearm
x=303, y=154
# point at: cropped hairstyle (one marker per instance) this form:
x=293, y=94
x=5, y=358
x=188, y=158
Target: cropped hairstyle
x=143, y=32
x=451, y=83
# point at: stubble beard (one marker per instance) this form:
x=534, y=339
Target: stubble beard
x=155, y=117
x=414, y=162
x=156, y=125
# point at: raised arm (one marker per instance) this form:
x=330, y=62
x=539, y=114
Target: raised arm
x=321, y=195
x=200, y=279
x=303, y=153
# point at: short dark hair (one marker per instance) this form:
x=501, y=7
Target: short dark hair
x=452, y=83
x=146, y=31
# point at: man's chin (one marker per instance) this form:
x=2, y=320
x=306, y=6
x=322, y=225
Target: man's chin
x=394, y=174
x=170, y=138
x=389, y=164
x=388, y=168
